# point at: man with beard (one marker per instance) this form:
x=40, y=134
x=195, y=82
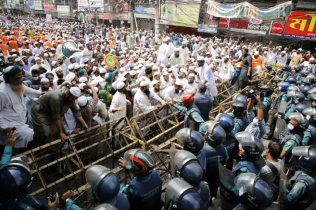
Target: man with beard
x=12, y=107
x=63, y=66
x=281, y=58
x=148, y=77
x=163, y=53
x=48, y=111
x=50, y=77
x=207, y=77
x=141, y=99
x=245, y=73
x=191, y=86
x=172, y=92
x=60, y=76
x=176, y=58
x=26, y=64
x=226, y=70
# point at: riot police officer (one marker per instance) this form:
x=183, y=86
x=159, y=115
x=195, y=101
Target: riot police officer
x=267, y=101
x=291, y=80
x=191, y=141
x=105, y=207
x=203, y=102
x=192, y=118
x=296, y=97
x=250, y=150
x=286, y=72
x=301, y=187
x=254, y=193
x=214, y=149
x=230, y=143
x=144, y=191
x=105, y=187
x=305, y=90
x=239, y=113
x=298, y=74
x=282, y=96
x=310, y=133
x=188, y=168
x=16, y=178
x=296, y=127
x=180, y=195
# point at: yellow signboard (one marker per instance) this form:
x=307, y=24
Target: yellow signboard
x=180, y=14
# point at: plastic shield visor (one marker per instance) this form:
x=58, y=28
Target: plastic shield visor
x=245, y=183
x=301, y=151
x=183, y=135
x=105, y=207
x=208, y=125
x=176, y=188
x=95, y=174
x=245, y=139
x=182, y=157
x=309, y=111
x=134, y=155
x=297, y=117
x=312, y=91
x=172, y=153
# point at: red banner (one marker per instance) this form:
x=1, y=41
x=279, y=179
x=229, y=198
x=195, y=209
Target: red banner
x=49, y=8
x=104, y=16
x=301, y=25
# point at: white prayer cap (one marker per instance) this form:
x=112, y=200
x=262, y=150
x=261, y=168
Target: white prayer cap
x=71, y=67
x=77, y=66
x=102, y=63
x=165, y=39
x=283, y=52
x=312, y=59
x=44, y=80
x=178, y=83
x=191, y=75
x=165, y=73
x=162, y=65
x=120, y=85
x=177, y=66
x=82, y=85
x=57, y=69
x=37, y=58
x=82, y=101
x=156, y=73
x=125, y=73
x=155, y=82
x=144, y=83
x=17, y=60
x=256, y=53
x=94, y=83
x=200, y=58
x=96, y=89
x=102, y=70
x=191, y=68
x=71, y=76
x=184, y=71
x=83, y=79
x=75, y=91
x=177, y=49
x=185, y=42
x=122, y=79
x=132, y=73
x=155, y=67
x=226, y=56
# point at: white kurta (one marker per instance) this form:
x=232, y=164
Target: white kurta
x=13, y=114
x=206, y=74
x=141, y=103
x=179, y=60
x=163, y=53
x=118, y=100
x=169, y=92
x=191, y=88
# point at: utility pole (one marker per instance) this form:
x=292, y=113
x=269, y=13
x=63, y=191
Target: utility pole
x=132, y=20
x=157, y=19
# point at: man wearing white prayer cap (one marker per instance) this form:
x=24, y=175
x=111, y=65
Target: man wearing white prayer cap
x=141, y=99
x=163, y=53
x=176, y=58
x=191, y=86
x=281, y=58
x=48, y=111
x=12, y=109
x=172, y=92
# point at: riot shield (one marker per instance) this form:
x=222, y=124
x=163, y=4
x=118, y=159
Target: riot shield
x=228, y=200
x=307, y=103
x=283, y=201
x=172, y=153
x=281, y=125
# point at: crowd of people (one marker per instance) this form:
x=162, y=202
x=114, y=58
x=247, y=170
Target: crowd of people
x=49, y=91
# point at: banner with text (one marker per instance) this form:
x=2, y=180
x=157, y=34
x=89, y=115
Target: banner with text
x=49, y=19
x=38, y=5
x=143, y=12
x=93, y=4
x=301, y=25
x=49, y=8
x=29, y=5
x=63, y=10
x=247, y=10
x=180, y=14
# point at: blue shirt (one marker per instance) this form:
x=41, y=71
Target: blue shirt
x=6, y=156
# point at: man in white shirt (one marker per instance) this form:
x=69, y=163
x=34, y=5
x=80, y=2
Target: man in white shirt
x=166, y=81
x=226, y=69
x=172, y=92
x=191, y=85
x=207, y=77
x=163, y=53
x=282, y=58
x=184, y=51
x=176, y=58
x=38, y=49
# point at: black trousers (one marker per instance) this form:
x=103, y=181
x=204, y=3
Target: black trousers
x=243, y=84
x=273, y=122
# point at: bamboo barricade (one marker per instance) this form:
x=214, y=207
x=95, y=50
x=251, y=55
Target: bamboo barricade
x=60, y=166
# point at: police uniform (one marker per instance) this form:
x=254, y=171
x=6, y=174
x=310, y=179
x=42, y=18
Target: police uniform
x=144, y=192
x=246, y=167
x=302, y=190
x=204, y=103
x=298, y=77
x=202, y=160
x=240, y=123
x=192, y=117
x=212, y=155
x=286, y=74
x=309, y=136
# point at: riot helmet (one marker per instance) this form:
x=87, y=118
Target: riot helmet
x=291, y=80
x=283, y=86
x=310, y=114
x=226, y=121
x=306, y=81
x=254, y=193
x=16, y=178
x=142, y=163
x=305, y=89
x=300, y=126
x=293, y=87
x=286, y=68
x=105, y=185
x=192, y=140
x=297, y=68
x=105, y=206
x=239, y=109
x=182, y=195
x=312, y=91
x=300, y=108
x=296, y=96
x=311, y=77
x=267, y=89
x=214, y=133
x=252, y=146
x=188, y=167
x=240, y=98
x=269, y=67
x=307, y=160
